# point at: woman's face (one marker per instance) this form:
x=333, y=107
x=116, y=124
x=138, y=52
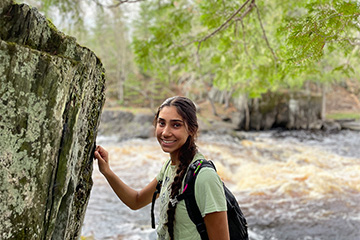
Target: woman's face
x=171, y=131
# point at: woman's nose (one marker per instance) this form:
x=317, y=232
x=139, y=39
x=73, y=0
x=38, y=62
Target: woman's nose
x=166, y=131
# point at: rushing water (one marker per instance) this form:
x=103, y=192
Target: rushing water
x=290, y=185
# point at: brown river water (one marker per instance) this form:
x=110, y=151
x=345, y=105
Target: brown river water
x=290, y=185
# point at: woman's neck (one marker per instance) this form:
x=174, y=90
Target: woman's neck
x=174, y=159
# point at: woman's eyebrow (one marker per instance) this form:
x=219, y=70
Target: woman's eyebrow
x=171, y=120
x=176, y=120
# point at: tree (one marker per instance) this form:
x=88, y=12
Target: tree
x=251, y=47
x=104, y=31
x=232, y=48
x=109, y=39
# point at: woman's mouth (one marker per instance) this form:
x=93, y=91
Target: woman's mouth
x=168, y=141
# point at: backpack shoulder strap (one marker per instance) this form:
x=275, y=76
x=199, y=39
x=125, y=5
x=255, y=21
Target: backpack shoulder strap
x=157, y=191
x=189, y=196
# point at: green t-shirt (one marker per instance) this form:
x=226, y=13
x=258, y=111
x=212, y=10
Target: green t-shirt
x=209, y=195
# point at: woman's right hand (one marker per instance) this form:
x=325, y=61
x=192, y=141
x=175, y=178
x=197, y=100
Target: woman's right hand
x=103, y=159
x=132, y=198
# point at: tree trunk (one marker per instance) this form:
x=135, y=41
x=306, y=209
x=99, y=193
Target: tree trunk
x=323, y=106
x=227, y=98
x=211, y=96
x=247, y=114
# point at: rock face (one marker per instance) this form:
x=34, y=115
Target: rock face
x=51, y=96
x=282, y=110
x=272, y=110
x=126, y=125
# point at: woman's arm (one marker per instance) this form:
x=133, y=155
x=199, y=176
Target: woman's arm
x=130, y=197
x=211, y=200
x=217, y=226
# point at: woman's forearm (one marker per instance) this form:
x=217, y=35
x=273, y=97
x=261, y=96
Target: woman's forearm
x=125, y=193
x=132, y=198
x=129, y=196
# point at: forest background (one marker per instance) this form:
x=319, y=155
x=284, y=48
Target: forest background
x=215, y=51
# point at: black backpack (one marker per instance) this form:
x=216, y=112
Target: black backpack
x=236, y=220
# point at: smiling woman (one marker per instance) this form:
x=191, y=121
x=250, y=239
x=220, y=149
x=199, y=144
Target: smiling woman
x=176, y=129
x=171, y=131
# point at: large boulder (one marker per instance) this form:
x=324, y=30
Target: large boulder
x=288, y=110
x=51, y=97
x=126, y=125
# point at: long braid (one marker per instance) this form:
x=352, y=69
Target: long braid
x=185, y=159
x=186, y=108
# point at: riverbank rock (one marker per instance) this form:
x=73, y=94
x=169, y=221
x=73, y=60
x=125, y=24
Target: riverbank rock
x=350, y=124
x=51, y=96
x=126, y=125
x=281, y=110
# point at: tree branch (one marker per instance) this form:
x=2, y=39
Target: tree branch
x=244, y=40
x=225, y=23
x=353, y=43
x=117, y=4
x=198, y=56
x=264, y=34
x=252, y=5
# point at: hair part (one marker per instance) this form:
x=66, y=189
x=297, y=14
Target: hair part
x=187, y=110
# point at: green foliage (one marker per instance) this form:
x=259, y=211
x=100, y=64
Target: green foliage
x=339, y=116
x=277, y=44
x=327, y=26
x=159, y=48
x=243, y=47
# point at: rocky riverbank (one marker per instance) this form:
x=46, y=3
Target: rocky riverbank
x=126, y=125
x=283, y=110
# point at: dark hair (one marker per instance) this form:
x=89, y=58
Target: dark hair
x=187, y=110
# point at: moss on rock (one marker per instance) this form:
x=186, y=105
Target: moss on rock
x=51, y=97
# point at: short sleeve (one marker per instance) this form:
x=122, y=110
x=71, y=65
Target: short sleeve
x=209, y=192
x=160, y=175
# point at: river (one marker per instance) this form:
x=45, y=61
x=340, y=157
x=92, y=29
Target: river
x=290, y=184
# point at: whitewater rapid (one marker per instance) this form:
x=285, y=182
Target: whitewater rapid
x=290, y=185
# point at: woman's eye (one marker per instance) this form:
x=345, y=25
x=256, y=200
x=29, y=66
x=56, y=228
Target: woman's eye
x=161, y=124
x=177, y=125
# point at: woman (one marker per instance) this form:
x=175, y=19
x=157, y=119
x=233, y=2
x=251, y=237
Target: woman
x=176, y=129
